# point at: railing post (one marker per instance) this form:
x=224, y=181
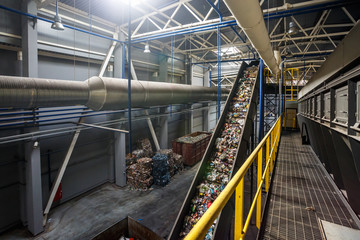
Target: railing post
x=271, y=152
x=275, y=142
x=278, y=141
x=259, y=176
x=239, y=210
x=280, y=128
x=268, y=169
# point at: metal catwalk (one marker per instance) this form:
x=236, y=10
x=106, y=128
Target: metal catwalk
x=302, y=193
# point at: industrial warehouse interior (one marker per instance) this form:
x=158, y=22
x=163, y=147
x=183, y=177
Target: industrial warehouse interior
x=179, y=119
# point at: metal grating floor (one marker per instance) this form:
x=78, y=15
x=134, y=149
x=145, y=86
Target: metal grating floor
x=302, y=192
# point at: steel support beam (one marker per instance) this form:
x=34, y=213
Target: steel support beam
x=108, y=54
x=29, y=40
x=61, y=172
x=120, y=164
x=152, y=131
x=33, y=188
x=261, y=105
x=164, y=130
x=119, y=58
x=218, y=110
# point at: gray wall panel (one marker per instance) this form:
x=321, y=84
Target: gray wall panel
x=66, y=70
x=10, y=22
x=72, y=38
x=9, y=186
x=8, y=63
x=9, y=207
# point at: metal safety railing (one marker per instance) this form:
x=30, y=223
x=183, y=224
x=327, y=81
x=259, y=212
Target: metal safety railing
x=291, y=83
x=271, y=141
x=270, y=77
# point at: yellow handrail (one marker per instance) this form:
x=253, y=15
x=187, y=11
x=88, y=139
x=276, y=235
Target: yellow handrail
x=237, y=183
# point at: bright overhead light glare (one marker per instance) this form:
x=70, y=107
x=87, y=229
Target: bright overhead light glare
x=147, y=48
x=133, y=2
x=57, y=25
x=293, y=29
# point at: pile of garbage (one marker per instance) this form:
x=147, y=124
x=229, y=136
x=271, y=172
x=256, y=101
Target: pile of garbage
x=144, y=149
x=192, y=139
x=145, y=146
x=145, y=169
x=138, y=175
x=176, y=161
x=160, y=171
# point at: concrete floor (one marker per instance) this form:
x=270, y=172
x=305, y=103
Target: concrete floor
x=93, y=212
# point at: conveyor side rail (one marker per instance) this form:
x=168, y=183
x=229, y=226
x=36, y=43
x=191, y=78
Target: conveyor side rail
x=223, y=225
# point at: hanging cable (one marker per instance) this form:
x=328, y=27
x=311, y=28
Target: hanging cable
x=172, y=66
x=74, y=43
x=129, y=76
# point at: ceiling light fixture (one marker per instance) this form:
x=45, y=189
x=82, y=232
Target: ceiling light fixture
x=57, y=25
x=293, y=29
x=147, y=48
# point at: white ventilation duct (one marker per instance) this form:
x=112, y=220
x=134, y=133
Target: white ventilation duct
x=249, y=17
x=277, y=55
x=98, y=93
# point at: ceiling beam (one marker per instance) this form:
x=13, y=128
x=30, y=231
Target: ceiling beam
x=171, y=6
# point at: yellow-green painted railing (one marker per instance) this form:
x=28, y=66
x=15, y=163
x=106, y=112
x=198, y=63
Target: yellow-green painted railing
x=237, y=185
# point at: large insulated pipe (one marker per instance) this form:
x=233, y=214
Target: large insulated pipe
x=249, y=17
x=98, y=93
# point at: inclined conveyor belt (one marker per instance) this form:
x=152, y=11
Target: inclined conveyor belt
x=224, y=155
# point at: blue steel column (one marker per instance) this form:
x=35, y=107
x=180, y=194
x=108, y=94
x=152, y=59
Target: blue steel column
x=172, y=59
x=210, y=77
x=129, y=76
x=261, y=105
x=123, y=61
x=172, y=67
x=219, y=74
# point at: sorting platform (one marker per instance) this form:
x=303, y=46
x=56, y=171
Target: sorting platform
x=302, y=195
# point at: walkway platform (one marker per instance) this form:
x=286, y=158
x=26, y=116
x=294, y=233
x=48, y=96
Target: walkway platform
x=303, y=193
